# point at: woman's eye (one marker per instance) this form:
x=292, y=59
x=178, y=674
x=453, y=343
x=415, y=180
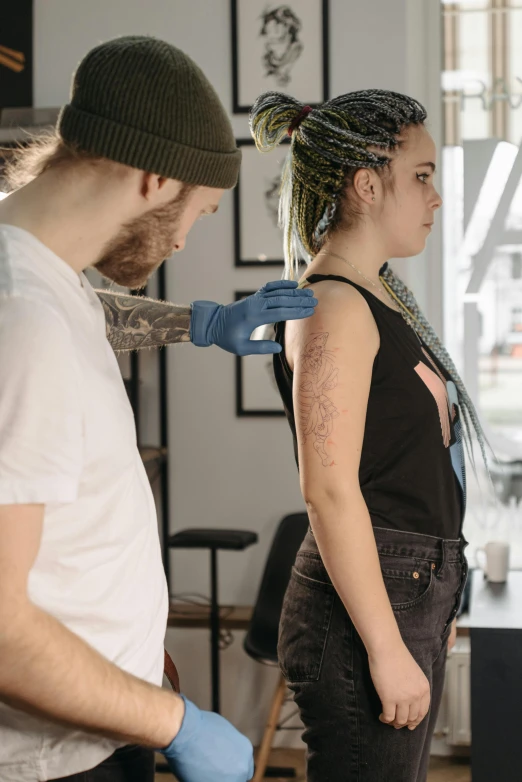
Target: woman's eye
x=423, y=178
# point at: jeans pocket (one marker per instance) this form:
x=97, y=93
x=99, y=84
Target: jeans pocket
x=408, y=581
x=305, y=621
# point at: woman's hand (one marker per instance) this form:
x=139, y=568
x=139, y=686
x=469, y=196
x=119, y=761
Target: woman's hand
x=402, y=687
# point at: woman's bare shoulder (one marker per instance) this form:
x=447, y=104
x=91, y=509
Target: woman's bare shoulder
x=342, y=311
x=336, y=292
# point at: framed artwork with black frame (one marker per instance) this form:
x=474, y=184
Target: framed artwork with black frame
x=279, y=47
x=16, y=54
x=257, y=394
x=258, y=239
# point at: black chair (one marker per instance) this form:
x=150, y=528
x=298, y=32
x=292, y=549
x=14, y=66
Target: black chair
x=214, y=540
x=261, y=639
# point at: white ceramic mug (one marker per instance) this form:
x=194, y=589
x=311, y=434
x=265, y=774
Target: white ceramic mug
x=496, y=566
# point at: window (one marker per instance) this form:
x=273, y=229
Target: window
x=482, y=89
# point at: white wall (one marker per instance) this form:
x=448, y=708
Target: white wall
x=225, y=471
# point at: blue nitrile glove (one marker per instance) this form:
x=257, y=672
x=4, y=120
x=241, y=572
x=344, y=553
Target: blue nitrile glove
x=209, y=749
x=230, y=327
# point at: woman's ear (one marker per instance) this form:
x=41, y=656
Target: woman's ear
x=364, y=184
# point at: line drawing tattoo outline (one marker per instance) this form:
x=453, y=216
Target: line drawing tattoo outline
x=317, y=411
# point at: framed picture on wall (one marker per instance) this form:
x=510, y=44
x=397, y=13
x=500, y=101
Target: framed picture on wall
x=279, y=47
x=16, y=54
x=258, y=239
x=256, y=389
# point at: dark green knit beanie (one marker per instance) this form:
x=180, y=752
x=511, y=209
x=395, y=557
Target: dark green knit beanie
x=143, y=102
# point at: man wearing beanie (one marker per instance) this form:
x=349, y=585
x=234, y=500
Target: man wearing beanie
x=143, y=149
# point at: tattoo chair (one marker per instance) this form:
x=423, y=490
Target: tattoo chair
x=261, y=639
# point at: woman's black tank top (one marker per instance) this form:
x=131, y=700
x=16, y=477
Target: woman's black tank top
x=406, y=475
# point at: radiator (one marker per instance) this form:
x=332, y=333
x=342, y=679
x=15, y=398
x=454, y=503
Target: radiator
x=454, y=722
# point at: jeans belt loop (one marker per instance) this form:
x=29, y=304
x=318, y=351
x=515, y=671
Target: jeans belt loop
x=444, y=558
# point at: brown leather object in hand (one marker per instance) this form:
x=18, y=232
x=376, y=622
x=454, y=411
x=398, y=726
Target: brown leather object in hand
x=171, y=672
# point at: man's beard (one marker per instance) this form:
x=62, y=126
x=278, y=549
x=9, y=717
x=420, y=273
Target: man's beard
x=141, y=246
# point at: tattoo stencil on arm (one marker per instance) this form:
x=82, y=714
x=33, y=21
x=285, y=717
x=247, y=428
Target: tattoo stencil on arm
x=317, y=410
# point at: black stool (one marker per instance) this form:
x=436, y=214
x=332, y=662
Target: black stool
x=214, y=539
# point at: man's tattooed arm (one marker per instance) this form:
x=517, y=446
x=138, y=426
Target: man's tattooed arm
x=135, y=322
x=317, y=411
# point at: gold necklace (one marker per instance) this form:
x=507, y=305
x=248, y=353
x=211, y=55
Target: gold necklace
x=381, y=290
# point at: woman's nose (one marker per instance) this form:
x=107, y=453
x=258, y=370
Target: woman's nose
x=437, y=201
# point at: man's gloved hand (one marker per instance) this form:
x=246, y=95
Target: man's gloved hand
x=230, y=327
x=209, y=749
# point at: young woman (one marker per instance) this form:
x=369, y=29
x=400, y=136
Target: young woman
x=376, y=407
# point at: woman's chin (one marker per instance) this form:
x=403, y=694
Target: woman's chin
x=421, y=246
x=410, y=252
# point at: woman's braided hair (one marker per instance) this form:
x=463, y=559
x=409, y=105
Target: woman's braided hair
x=329, y=145
x=412, y=314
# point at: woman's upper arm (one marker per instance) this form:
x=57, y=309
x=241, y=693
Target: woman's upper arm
x=333, y=355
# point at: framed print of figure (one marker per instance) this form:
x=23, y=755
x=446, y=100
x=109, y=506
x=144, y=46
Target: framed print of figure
x=279, y=47
x=258, y=239
x=257, y=394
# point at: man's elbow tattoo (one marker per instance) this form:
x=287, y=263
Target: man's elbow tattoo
x=134, y=322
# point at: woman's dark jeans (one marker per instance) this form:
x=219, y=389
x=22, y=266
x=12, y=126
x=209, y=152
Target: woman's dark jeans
x=326, y=664
x=128, y=764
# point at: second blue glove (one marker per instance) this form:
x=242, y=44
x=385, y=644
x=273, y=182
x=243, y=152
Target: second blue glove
x=209, y=749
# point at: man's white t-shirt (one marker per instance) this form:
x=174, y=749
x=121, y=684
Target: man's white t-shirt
x=68, y=440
